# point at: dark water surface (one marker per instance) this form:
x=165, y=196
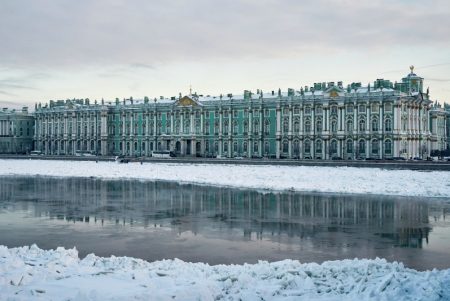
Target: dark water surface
x=156, y=220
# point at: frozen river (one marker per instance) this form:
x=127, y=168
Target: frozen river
x=156, y=220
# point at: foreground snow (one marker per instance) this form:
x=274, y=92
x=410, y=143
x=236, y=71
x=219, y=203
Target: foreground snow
x=30, y=273
x=297, y=178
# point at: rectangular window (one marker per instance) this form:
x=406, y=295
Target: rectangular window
x=374, y=108
x=350, y=109
x=388, y=107
x=362, y=109
x=267, y=113
x=308, y=111
x=319, y=111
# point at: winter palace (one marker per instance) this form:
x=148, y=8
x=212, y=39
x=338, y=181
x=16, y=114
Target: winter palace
x=326, y=120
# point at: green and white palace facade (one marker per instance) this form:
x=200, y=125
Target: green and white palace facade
x=327, y=120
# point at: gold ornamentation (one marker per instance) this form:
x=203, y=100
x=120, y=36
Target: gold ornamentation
x=186, y=101
x=334, y=93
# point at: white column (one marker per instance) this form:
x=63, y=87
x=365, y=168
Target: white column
x=201, y=124
x=367, y=148
x=380, y=127
x=290, y=120
x=368, y=118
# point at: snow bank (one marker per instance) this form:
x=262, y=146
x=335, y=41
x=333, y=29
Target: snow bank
x=296, y=178
x=30, y=273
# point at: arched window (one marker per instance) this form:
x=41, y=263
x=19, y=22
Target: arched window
x=216, y=147
x=307, y=146
x=333, y=146
x=197, y=127
x=266, y=147
x=285, y=126
x=319, y=126
x=235, y=128
x=285, y=146
x=255, y=147
x=296, y=148
x=296, y=127
x=256, y=127
x=307, y=126
x=235, y=147
x=334, y=126
x=318, y=146
x=216, y=127
x=245, y=128
x=245, y=147
x=388, y=125
x=388, y=147
x=374, y=124
x=225, y=147
x=375, y=147
x=362, y=146
x=349, y=146
x=225, y=127
x=267, y=127
x=362, y=125
x=207, y=127
x=349, y=125
x=187, y=126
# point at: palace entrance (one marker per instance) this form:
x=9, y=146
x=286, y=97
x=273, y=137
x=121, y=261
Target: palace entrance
x=178, y=148
x=198, y=149
x=188, y=147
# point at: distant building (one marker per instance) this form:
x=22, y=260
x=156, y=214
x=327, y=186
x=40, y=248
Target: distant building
x=327, y=120
x=16, y=131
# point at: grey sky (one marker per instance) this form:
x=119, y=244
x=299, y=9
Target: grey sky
x=117, y=48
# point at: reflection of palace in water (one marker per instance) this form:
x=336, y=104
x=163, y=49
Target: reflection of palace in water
x=195, y=208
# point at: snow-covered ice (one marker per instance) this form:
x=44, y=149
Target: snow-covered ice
x=295, y=178
x=30, y=273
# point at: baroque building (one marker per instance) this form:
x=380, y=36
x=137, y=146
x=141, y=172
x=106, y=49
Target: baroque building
x=16, y=131
x=327, y=120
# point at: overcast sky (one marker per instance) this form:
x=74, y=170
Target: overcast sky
x=58, y=49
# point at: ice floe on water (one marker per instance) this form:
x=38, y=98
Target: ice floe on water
x=294, y=178
x=30, y=273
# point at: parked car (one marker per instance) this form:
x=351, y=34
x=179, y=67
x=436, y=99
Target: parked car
x=80, y=153
x=36, y=153
x=122, y=159
x=399, y=158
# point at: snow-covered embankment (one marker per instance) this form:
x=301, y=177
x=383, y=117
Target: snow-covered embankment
x=296, y=178
x=29, y=273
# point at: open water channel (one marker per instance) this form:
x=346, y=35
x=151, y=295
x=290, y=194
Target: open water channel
x=157, y=220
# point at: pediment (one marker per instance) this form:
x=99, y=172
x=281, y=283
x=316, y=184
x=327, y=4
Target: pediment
x=334, y=92
x=186, y=101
